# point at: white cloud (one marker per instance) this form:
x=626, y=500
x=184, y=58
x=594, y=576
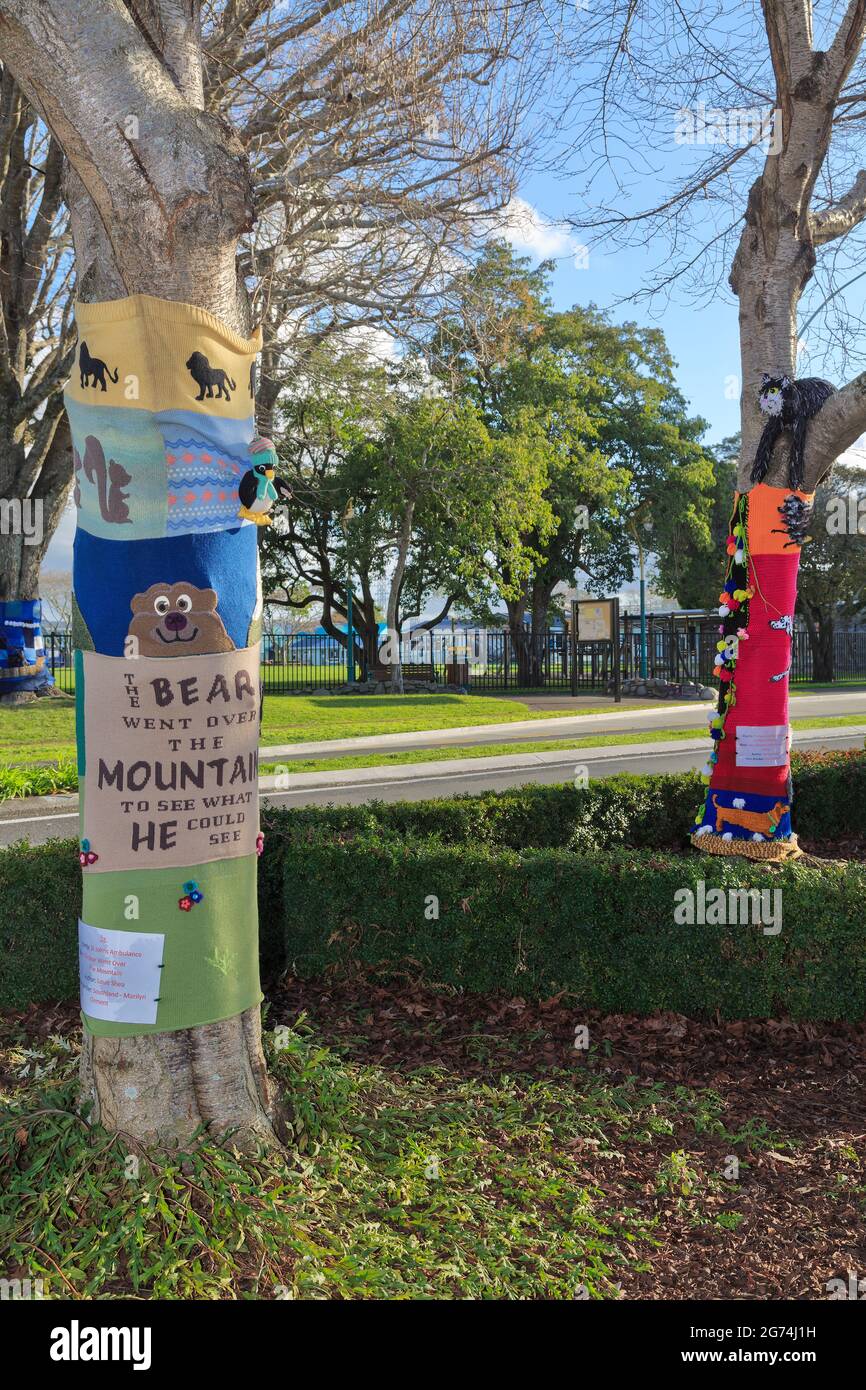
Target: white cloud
x=531, y=232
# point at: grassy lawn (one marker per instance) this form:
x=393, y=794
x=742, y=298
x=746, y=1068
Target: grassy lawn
x=401, y=1187
x=445, y=1147
x=43, y=781
x=47, y=729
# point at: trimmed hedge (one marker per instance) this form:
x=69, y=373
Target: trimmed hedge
x=600, y=928
x=651, y=812
x=40, y=899
x=539, y=889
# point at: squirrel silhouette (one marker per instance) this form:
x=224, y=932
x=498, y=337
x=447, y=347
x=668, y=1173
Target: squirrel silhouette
x=110, y=480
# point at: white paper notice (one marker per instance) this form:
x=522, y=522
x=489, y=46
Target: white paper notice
x=762, y=745
x=119, y=973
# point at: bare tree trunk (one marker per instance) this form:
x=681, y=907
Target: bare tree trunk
x=822, y=631
x=35, y=354
x=403, y=543
x=22, y=553
x=520, y=641
x=541, y=596
x=159, y=194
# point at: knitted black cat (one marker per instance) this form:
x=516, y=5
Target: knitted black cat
x=790, y=406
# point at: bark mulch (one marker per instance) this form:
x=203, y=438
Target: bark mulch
x=793, y=1112
x=792, y=1109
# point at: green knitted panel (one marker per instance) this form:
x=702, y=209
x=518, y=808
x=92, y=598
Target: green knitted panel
x=209, y=956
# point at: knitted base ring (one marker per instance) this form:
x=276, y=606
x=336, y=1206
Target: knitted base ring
x=749, y=849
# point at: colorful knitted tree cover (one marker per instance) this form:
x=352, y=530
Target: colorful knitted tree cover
x=166, y=626
x=748, y=802
x=22, y=652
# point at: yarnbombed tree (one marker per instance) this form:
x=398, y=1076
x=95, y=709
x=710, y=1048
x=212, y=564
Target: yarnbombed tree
x=164, y=573
x=791, y=101
x=160, y=405
x=36, y=338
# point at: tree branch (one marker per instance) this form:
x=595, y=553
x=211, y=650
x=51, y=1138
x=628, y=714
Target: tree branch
x=155, y=168
x=842, y=216
x=834, y=429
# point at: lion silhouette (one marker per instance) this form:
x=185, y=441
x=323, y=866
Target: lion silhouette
x=207, y=377
x=178, y=620
x=93, y=367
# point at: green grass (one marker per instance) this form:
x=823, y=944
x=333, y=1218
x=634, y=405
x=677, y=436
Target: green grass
x=42, y=781
x=419, y=1185
x=47, y=729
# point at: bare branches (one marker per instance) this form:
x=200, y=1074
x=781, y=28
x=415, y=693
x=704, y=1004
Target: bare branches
x=155, y=169
x=840, y=218
x=383, y=135
x=844, y=50
x=835, y=428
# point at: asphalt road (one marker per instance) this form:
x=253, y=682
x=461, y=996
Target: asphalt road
x=419, y=782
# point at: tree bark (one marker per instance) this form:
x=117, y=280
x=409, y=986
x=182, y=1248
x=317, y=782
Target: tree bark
x=159, y=194
x=822, y=631
x=393, y=614
x=748, y=805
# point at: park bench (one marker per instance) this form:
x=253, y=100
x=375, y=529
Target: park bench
x=412, y=671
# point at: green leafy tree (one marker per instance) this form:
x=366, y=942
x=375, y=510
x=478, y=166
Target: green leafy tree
x=598, y=402
x=394, y=483
x=328, y=538
x=687, y=556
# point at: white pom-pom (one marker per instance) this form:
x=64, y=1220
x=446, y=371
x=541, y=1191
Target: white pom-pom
x=723, y=610
x=739, y=803
x=739, y=556
x=703, y=830
x=728, y=835
x=707, y=771
x=756, y=836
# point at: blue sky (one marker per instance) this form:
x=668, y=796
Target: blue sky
x=703, y=340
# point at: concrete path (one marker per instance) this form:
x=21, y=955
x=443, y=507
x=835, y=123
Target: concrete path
x=617, y=720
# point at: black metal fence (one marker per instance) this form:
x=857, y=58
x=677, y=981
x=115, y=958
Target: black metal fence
x=679, y=647
x=683, y=647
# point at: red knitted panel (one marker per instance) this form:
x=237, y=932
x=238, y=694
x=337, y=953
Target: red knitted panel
x=763, y=654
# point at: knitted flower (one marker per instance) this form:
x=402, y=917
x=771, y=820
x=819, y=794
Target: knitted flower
x=185, y=904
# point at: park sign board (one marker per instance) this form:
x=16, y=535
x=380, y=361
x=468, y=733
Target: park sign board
x=596, y=621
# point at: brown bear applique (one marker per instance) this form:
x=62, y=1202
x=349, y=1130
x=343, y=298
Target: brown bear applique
x=178, y=620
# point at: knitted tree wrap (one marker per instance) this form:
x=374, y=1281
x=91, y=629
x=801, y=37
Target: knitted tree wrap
x=747, y=809
x=167, y=595
x=768, y=850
